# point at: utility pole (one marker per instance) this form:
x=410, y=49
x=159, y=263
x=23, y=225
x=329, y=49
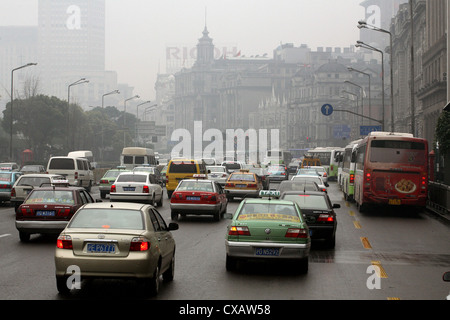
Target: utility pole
x=413, y=107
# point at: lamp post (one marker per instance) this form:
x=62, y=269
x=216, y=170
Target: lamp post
x=137, y=119
x=360, y=44
x=81, y=81
x=103, y=105
x=125, y=113
x=362, y=94
x=365, y=25
x=369, y=76
x=12, y=103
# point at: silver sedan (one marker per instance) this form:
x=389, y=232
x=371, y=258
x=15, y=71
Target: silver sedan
x=137, y=187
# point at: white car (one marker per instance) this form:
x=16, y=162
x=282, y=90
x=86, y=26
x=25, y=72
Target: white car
x=137, y=187
x=217, y=173
x=322, y=185
x=322, y=171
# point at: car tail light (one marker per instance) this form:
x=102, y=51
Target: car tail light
x=325, y=218
x=324, y=174
x=64, y=242
x=145, y=189
x=104, y=181
x=63, y=212
x=76, y=175
x=139, y=244
x=113, y=188
x=296, y=233
x=229, y=185
x=352, y=178
x=13, y=192
x=252, y=185
x=239, y=231
x=26, y=211
x=4, y=186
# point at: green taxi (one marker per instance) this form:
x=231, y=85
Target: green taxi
x=108, y=180
x=267, y=228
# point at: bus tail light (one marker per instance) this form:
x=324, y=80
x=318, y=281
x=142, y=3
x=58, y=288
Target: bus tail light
x=352, y=178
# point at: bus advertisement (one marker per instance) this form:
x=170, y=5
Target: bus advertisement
x=391, y=169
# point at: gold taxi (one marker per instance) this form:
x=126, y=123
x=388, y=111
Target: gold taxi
x=243, y=183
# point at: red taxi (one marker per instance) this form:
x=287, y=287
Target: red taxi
x=198, y=196
x=47, y=210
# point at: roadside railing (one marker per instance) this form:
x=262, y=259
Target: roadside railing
x=439, y=197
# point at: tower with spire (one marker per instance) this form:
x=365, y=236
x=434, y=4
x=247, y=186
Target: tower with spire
x=205, y=49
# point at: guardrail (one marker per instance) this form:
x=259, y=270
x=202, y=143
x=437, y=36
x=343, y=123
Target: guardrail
x=439, y=197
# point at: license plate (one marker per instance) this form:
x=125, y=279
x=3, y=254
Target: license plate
x=45, y=213
x=395, y=202
x=129, y=188
x=193, y=198
x=269, y=252
x=241, y=186
x=101, y=248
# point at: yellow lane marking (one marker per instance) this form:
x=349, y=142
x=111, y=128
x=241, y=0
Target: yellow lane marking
x=351, y=213
x=380, y=270
x=393, y=298
x=357, y=224
x=366, y=243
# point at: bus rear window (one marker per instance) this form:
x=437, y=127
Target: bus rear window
x=400, y=152
x=182, y=167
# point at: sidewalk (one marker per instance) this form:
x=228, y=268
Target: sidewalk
x=439, y=211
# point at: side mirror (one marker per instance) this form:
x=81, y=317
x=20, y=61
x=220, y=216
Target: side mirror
x=173, y=226
x=336, y=206
x=446, y=277
x=228, y=216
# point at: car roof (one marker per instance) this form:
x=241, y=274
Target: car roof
x=58, y=188
x=316, y=193
x=40, y=175
x=275, y=201
x=115, y=205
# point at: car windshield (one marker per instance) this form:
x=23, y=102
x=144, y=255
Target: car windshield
x=242, y=177
x=33, y=181
x=5, y=177
x=195, y=185
x=268, y=211
x=132, y=178
x=216, y=169
x=307, y=201
x=108, y=219
x=50, y=197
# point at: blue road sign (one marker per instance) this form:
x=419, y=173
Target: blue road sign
x=327, y=110
x=365, y=130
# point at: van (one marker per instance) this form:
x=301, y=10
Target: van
x=179, y=169
x=135, y=157
x=76, y=170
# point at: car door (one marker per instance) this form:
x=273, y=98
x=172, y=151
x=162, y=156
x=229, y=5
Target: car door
x=164, y=237
x=155, y=186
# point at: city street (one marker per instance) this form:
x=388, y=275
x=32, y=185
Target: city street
x=411, y=250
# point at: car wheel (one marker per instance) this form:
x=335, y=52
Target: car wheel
x=61, y=285
x=303, y=265
x=160, y=202
x=24, y=237
x=103, y=194
x=331, y=243
x=231, y=263
x=170, y=273
x=153, y=283
x=174, y=216
x=217, y=215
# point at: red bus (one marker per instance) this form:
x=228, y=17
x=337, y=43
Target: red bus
x=391, y=169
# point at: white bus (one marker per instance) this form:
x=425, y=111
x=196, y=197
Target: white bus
x=277, y=157
x=133, y=157
x=328, y=159
x=348, y=170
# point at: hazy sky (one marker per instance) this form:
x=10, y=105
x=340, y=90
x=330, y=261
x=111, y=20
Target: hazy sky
x=138, y=31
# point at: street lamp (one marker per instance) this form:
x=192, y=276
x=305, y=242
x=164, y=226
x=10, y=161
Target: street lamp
x=124, y=114
x=103, y=105
x=360, y=44
x=137, y=119
x=364, y=25
x=12, y=103
x=369, y=76
x=81, y=81
x=362, y=94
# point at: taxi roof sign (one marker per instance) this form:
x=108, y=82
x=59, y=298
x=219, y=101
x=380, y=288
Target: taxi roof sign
x=199, y=176
x=269, y=194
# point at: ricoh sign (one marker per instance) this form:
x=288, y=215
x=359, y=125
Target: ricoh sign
x=184, y=56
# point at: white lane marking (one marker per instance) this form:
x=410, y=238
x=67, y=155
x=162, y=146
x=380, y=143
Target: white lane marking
x=4, y=235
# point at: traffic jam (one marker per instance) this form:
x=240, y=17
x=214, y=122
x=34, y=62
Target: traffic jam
x=281, y=208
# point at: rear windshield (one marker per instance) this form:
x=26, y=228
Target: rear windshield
x=6, y=177
x=195, y=186
x=401, y=152
x=50, y=197
x=268, y=211
x=308, y=201
x=242, y=177
x=35, y=182
x=182, y=167
x=297, y=186
x=132, y=178
x=108, y=219
x=111, y=174
x=62, y=164
x=216, y=169
x=305, y=179
x=232, y=166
